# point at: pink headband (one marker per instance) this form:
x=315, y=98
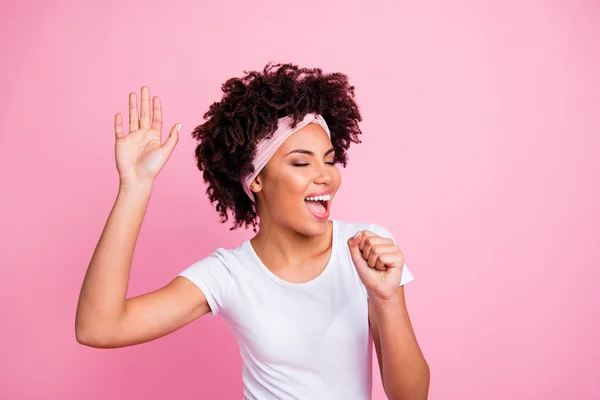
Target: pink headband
x=267, y=147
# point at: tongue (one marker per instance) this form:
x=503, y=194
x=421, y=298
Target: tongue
x=315, y=206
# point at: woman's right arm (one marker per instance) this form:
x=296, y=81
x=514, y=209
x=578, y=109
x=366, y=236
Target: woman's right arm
x=105, y=317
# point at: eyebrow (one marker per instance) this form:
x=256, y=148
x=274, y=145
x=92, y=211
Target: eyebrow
x=310, y=153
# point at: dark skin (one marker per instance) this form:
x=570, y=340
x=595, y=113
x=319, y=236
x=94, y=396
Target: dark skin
x=402, y=366
x=298, y=242
x=296, y=247
x=249, y=111
x=289, y=235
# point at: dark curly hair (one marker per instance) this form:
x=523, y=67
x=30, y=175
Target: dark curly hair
x=248, y=112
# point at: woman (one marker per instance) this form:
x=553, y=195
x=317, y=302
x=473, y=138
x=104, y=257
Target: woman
x=304, y=294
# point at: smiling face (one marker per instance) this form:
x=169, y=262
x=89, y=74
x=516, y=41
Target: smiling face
x=301, y=167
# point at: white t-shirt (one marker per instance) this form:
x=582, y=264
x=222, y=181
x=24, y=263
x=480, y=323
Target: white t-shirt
x=297, y=340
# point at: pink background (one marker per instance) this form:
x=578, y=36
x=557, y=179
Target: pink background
x=480, y=154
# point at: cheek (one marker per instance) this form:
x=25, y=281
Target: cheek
x=294, y=182
x=336, y=178
x=287, y=190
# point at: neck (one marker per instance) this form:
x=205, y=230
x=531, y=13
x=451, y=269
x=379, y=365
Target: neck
x=277, y=244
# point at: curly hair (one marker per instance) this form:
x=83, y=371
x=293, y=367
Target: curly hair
x=248, y=112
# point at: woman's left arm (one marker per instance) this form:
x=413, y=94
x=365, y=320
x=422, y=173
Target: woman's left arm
x=404, y=371
x=379, y=263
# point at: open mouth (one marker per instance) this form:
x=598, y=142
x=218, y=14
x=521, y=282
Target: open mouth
x=318, y=204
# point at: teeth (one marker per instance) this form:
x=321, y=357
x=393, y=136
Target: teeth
x=326, y=197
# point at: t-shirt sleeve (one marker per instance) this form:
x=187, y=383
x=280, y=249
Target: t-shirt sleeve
x=383, y=232
x=213, y=277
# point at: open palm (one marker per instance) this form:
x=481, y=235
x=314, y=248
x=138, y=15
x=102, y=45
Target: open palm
x=140, y=155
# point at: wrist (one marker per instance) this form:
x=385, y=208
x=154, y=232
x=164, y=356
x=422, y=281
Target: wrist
x=384, y=304
x=135, y=185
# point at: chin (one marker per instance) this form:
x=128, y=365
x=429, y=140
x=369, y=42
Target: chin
x=315, y=228
x=303, y=221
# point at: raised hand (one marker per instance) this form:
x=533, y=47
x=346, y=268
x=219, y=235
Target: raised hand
x=379, y=263
x=140, y=155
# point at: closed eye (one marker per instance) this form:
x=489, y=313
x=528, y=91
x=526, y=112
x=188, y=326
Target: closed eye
x=303, y=165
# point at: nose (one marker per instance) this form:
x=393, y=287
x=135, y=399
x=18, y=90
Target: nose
x=323, y=175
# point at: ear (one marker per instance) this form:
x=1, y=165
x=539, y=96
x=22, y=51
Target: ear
x=256, y=184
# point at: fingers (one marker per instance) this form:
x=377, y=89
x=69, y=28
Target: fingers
x=379, y=254
x=173, y=138
x=156, y=114
x=143, y=120
x=369, y=239
x=134, y=123
x=145, y=108
x=118, y=126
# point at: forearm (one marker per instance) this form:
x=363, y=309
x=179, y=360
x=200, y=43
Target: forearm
x=104, y=289
x=405, y=371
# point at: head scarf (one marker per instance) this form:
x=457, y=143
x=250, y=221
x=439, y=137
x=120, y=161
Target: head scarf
x=267, y=147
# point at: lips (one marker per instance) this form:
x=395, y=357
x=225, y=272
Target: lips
x=322, y=193
x=319, y=209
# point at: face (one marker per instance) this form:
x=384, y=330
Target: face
x=301, y=167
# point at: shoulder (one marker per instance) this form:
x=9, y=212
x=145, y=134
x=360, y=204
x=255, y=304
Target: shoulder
x=349, y=228
x=221, y=258
x=226, y=254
